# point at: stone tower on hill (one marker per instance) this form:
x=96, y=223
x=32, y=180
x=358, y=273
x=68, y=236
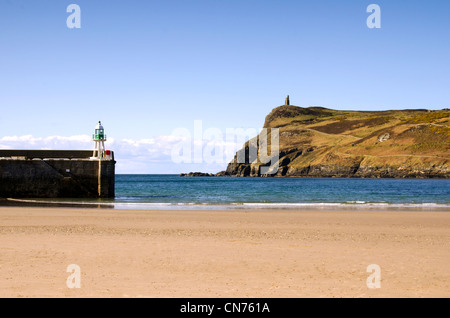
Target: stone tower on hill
x=286, y=102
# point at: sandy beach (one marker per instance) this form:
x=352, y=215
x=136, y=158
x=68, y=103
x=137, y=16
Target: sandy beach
x=125, y=253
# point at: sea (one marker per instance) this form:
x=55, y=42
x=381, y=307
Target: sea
x=173, y=192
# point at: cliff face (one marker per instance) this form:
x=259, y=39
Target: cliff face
x=320, y=142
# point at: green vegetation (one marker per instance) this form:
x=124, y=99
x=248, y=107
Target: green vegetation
x=347, y=137
x=428, y=117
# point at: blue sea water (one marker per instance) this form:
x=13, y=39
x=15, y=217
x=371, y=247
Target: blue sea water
x=175, y=192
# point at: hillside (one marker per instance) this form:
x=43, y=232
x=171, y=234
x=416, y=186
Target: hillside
x=321, y=142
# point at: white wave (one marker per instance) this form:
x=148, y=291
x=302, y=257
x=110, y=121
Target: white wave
x=323, y=205
x=356, y=204
x=265, y=205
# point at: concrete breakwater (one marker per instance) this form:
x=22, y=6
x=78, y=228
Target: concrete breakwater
x=55, y=174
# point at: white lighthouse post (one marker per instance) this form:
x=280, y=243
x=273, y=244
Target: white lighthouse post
x=99, y=138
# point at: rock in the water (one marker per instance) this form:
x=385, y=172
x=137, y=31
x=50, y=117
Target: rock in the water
x=196, y=174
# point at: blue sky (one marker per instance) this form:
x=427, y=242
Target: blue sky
x=146, y=68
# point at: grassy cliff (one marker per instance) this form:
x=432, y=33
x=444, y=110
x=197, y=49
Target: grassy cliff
x=321, y=142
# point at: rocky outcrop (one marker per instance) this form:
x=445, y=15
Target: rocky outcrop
x=196, y=174
x=320, y=142
x=339, y=171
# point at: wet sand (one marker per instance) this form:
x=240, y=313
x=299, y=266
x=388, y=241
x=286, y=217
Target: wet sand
x=173, y=253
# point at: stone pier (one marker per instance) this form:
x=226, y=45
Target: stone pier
x=55, y=174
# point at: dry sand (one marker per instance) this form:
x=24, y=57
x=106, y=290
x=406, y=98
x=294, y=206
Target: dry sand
x=223, y=253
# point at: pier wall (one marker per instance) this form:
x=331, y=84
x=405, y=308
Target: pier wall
x=38, y=174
